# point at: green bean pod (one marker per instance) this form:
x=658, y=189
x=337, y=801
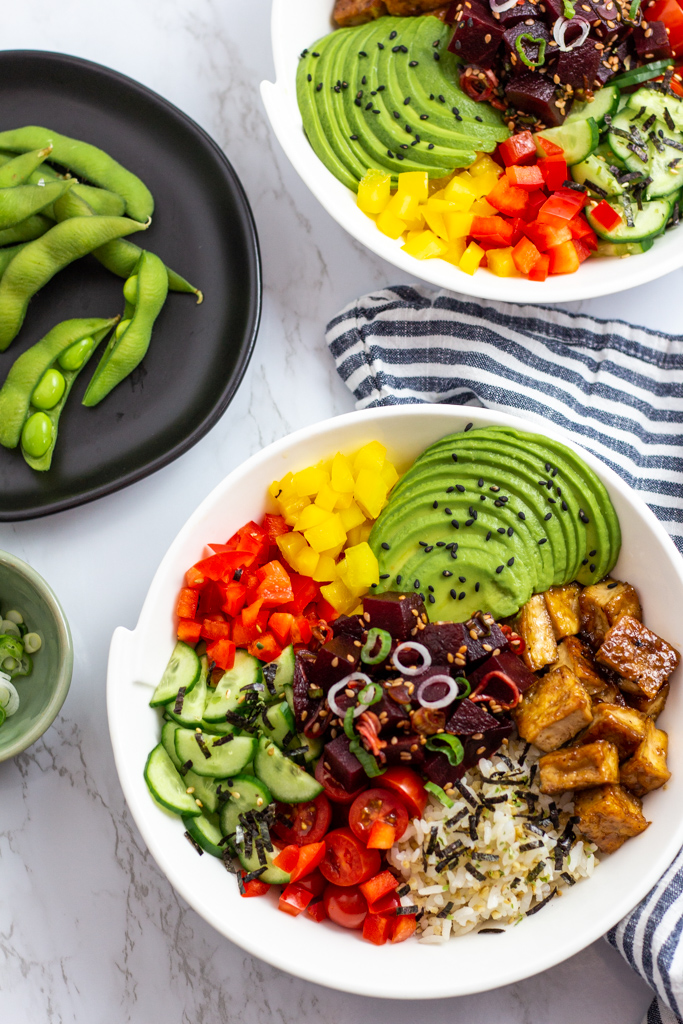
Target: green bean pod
x=145, y=293
x=87, y=162
x=21, y=201
x=27, y=230
x=28, y=370
x=40, y=260
x=21, y=168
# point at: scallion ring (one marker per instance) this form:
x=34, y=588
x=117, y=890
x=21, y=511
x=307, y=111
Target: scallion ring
x=539, y=41
x=568, y=9
x=411, y=670
x=370, y=694
x=464, y=688
x=560, y=29
x=9, y=664
x=341, y=685
x=32, y=643
x=450, y=746
x=442, y=702
x=506, y=5
x=14, y=616
x=9, y=628
x=9, y=698
x=438, y=792
x=374, y=635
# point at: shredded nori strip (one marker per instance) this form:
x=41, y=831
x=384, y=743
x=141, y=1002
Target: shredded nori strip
x=466, y=793
x=406, y=911
x=446, y=910
x=184, y=768
x=288, y=737
x=228, y=738
x=536, y=844
x=533, y=828
x=618, y=131
x=497, y=799
x=532, y=775
x=568, y=878
x=433, y=840
x=486, y=856
x=596, y=188
x=669, y=120
x=575, y=185
x=474, y=822
x=457, y=817
x=451, y=851
x=253, y=874
x=269, y=673
x=194, y=843
x=535, y=872
x=648, y=124
x=558, y=857
x=490, y=931
x=642, y=155
x=524, y=754
x=554, y=814
x=403, y=891
x=539, y=906
x=656, y=143
x=515, y=882
x=202, y=745
x=178, y=706
x=672, y=143
x=265, y=719
x=475, y=874
x=252, y=687
x=638, y=115
x=628, y=210
x=297, y=752
x=260, y=851
x=240, y=883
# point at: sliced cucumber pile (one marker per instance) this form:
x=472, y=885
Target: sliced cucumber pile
x=577, y=139
x=604, y=103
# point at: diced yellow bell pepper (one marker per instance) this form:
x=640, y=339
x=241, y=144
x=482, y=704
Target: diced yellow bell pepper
x=342, y=475
x=327, y=534
x=374, y=191
x=481, y=208
x=436, y=223
x=425, y=246
x=391, y=225
x=282, y=488
x=365, y=529
x=389, y=474
x=309, y=481
x=326, y=570
x=336, y=551
x=460, y=186
x=370, y=492
x=353, y=536
x=438, y=193
x=471, y=258
x=453, y=253
x=458, y=225
x=339, y=596
x=485, y=184
x=500, y=262
x=416, y=223
x=306, y=560
x=292, y=508
x=440, y=205
x=370, y=456
x=343, y=501
x=352, y=516
x=484, y=164
x=326, y=497
x=290, y=544
x=403, y=205
x=415, y=183
x=310, y=516
x=362, y=568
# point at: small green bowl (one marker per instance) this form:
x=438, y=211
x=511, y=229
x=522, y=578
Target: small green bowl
x=44, y=691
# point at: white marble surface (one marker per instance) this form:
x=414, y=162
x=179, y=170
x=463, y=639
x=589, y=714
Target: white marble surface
x=90, y=931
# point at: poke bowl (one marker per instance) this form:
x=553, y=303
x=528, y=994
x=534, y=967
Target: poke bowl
x=303, y=944
x=423, y=243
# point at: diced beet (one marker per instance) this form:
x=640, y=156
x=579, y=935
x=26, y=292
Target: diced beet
x=349, y=625
x=579, y=67
x=335, y=660
x=477, y=35
x=438, y=768
x=653, y=46
x=520, y=12
x=444, y=638
x=345, y=767
x=538, y=30
x=508, y=663
x=404, y=745
x=306, y=709
x=393, y=611
x=534, y=94
x=390, y=714
x=469, y=718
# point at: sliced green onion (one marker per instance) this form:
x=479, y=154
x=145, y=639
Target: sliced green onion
x=11, y=647
x=633, y=10
x=438, y=792
x=444, y=743
x=568, y=9
x=464, y=688
x=9, y=628
x=522, y=55
x=348, y=723
x=368, y=762
x=24, y=668
x=366, y=654
x=370, y=694
x=3, y=715
x=14, y=616
x=9, y=664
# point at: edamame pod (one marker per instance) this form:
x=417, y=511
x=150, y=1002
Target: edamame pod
x=22, y=201
x=20, y=168
x=84, y=200
x=27, y=230
x=39, y=261
x=88, y=162
x=8, y=254
x=128, y=346
x=29, y=369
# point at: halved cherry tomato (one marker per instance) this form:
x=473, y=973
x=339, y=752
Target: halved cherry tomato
x=409, y=787
x=345, y=905
x=377, y=805
x=294, y=899
x=300, y=860
x=309, y=821
x=377, y=928
x=347, y=861
x=336, y=793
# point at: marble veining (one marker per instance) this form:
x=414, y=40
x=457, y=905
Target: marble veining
x=90, y=930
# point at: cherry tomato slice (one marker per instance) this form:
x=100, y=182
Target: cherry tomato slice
x=309, y=821
x=377, y=805
x=345, y=905
x=336, y=793
x=347, y=861
x=409, y=787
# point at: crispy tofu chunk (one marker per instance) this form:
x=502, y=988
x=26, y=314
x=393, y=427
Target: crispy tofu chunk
x=647, y=770
x=535, y=627
x=603, y=604
x=579, y=767
x=650, y=707
x=643, y=660
x=410, y=8
x=357, y=12
x=578, y=658
x=623, y=727
x=553, y=710
x=563, y=608
x=609, y=815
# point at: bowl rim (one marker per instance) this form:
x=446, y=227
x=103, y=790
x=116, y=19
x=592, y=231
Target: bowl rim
x=66, y=655
x=123, y=650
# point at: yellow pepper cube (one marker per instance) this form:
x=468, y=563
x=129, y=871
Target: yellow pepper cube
x=500, y=262
x=370, y=456
x=328, y=534
x=365, y=530
x=326, y=497
x=362, y=568
x=374, y=191
x=425, y=246
x=306, y=560
x=336, y=551
x=438, y=193
x=278, y=488
x=389, y=475
x=343, y=501
x=326, y=570
x=415, y=183
x=292, y=508
x=481, y=208
x=311, y=516
x=354, y=536
x=290, y=544
x=484, y=164
x=309, y=481
x=339, y=596
x=439, y=205
x=403, y=205
x=391, y=225
x=485, y=184
x=460, y=186
x=352, y=516
x=416, y=223
x=370, y=492
x=436, y=223
x=458, y=225
x=453, y=253
x=471, y=258
x=342, y=474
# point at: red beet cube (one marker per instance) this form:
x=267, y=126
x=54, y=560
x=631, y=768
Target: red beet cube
x=579, y=67
x=335, y=660
x=535, y=94
x=347, y=770
x=652, y=43
x=409, y=746
x=469, y=718
x=477, y=35
x=510, y=665
x=393, y=611
x=537, y=30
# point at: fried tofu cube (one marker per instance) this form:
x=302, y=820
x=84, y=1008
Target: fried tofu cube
x=647, y=770
x=652, y=707
x=535, y=627
x=609, y=815
x=603, y=604
x=578, y=658
x=623, y=727
x=553, y=710
x=643, y=660
x=579, y=767
x=357, y=12
x=563, y=608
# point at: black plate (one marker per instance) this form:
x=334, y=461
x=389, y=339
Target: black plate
x=202, y=227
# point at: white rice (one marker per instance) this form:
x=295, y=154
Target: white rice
x=509, y=880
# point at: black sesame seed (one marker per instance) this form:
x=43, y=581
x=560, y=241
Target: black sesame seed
x=362, y=53
x=498, y=504
x=436, y=55
x=431, y=598
x=364, y=81
x=469, y=522
x=482, y=497
x=424, y=117
x=565, y=506
x=396, y=49
x=315, y=54
x=412, y=64
x=510, y=531
x=441, y=543
x=611, y=586
x=521, y=515
x=454, y=594
x=449, y=490
x=547, y=467
x=309, y=77
x=554, y=472
x=406, y=101
x=552, y=501
x=592, y=553
x=592, y=567
x=353, y=138
x=480, y=482
x=435, y=504
x=501, y=529
x=431, y=95
x=389, y=153
x=453, y=455
x=416, y=584
x=385, y=545
x=461, y=595
x=500, y=569
x=422, y=543
x=543, y=540
x=430, y=588
x=441, y=99
x=463, y=579
x=494, y=487
x=548, y=516
x=430, y=146
x=585, y=562
x=448, y=511
x=409, y=129
x=511, y=561
x=393, y=35
x=380, y=46
x=469, y=425
x=476, y=587
x=558, y=492
x=488, y=535
x=541, y=483
x=400, y=156
x=459, y=487
x=397, y=115
x=319, y=87
x=447, y=573
x=477, y=118
x=430, y=547
x=380, y=88
x=583, y=517
x=398, y=579
x=384, y=576
x=455, y=523
x=375, y=110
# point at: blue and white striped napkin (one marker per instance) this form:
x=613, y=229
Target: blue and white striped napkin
x=617, y=389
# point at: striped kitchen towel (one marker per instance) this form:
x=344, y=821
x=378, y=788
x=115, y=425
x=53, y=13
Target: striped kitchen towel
x=617, y=389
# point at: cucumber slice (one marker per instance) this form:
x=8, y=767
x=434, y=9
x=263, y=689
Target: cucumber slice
x=183, y=669
x=665, y=179
x=272, y=875
x=166, y=785
x=644, y=74
x=225, y=758
x=168, y=732
x=193, y=703
x=277, y=722
x=289, y=696
x=205, y=833
x=285, y=669
x=647, y=223
x=623, y=248
x=205, y=790
x=285, y=780
x=656, y=103
x=217, y=728
x=604, y=149
x=230, y=693
x=577, y=139
x=605, y=101
x=247, y=793
x=315, y=747
x=594, y=170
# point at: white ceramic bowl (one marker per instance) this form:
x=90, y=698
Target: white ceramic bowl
x=296, y=24
x=325, y=953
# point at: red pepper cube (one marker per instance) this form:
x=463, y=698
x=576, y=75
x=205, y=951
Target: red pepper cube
x=195, y=578
x=187, y=603
x=580, y=228
x=215, y=629
x=549, y=147
x=302, y=632
x=280, y=625
x=274, y=527
x=534, y=204
x=507, y=198
x=219, y=566
x=539, y=271
x=582, y=250
x=606, y=216
x=518, y=230
x=316, y=910
x=265, y=648
x=388, y=904
x=378, y=886
x=518, y=149
x=222, y=652
x=189, y=631
x=294, y=899
x=304, y=590
x=255, y=887
x=275, y=587
x=529, y=178
x=404, y=927
x=235, y=598
x=287, y=859
x=563, y=205
x=524, y=255
x=493, y=229
x=377, y=929
x=563, y=258
x=555, y=172
x=382, y=836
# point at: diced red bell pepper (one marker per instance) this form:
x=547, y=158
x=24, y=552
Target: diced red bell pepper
x=564, y=258
x=243, y=634
x=507, y=198
x=316, y=910
x=518, y=230
x=305, y=591
x=195, y=578
x=582, y=250
x=287, y=858
x=187, y=603
x=294, y=899
x=382, y=836
x=211, y=598
x=300, y=861
x=386, y=905
x=189, y=631
x=220, y=566
x=251, y=613
x=668, y=11
x=564, y=204
x=555, y=172
x=215, y=629
x=404, y=927
x=518, y=149
x=280, y=625
x=534, y=204
x=326, y=611
x=302, y=632
x=274, y=527
x=377, y=929
x=549, y=148
x=274, y=587
x=524, y=255
x=235, y=597
x=545, y=235
x=539, y=271
x=378, y=886
x=265, y=648
x=223, y=653
x=529, y=178
x=255, y=887
x=580, y=228
x=606, y=216
x=492, y=229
